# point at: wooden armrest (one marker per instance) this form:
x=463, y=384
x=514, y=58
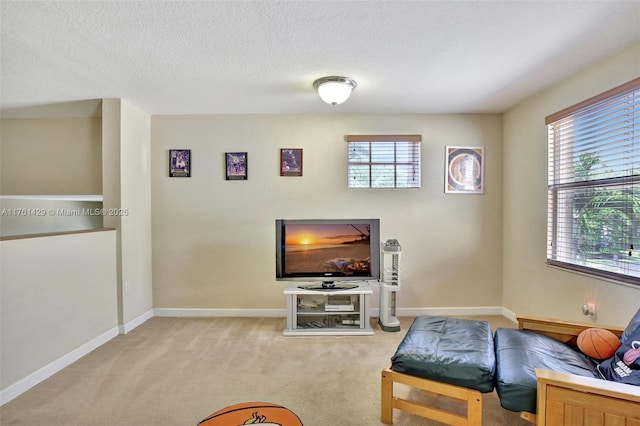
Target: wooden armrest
x=567, y=399
x=589, y=385
x=560, y=330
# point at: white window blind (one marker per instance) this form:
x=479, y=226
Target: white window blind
x=594, y=185
x=383, y=161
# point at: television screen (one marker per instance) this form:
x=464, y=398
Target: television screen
x=328, y=249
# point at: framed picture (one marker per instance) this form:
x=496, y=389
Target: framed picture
x=236, y=165
x=290, y=162
x=464, y=172
x=179, y=163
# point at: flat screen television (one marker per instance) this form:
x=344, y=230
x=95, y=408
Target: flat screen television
x=328, y=252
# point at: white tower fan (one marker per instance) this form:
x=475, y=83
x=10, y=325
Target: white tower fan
x=389, y=284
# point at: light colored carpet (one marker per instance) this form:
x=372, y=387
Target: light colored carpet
x=177, y=371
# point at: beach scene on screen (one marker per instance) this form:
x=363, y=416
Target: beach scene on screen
x=335, y=248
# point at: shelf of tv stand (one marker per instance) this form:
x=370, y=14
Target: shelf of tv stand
x=321, y=310
x=316, y=321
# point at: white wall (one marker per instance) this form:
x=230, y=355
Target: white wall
x=530, y=287
x=58, y=303
x=214, y=240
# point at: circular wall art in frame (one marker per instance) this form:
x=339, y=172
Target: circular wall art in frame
x=464, y=170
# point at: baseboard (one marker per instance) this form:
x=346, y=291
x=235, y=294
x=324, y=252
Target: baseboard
x=450, y=311
x=194, y=312
x=125, y=328
x=401, y=312
x=509, y=314
x=52, y=368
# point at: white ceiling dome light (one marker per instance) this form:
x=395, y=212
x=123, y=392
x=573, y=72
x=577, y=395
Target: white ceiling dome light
x=334, y=90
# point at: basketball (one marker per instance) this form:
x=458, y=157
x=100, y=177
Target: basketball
x=598, y=343
x=248, y=413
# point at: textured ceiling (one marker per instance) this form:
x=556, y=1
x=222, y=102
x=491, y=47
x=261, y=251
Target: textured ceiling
x=218, y=57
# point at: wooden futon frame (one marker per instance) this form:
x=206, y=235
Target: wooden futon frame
x=563, y=399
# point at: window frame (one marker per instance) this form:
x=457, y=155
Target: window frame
x=372, y=140
x=628, y=182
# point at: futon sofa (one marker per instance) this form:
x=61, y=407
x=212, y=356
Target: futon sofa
x=535, y=369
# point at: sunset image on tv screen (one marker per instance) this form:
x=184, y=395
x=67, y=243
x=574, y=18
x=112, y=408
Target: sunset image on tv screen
x=341, y=249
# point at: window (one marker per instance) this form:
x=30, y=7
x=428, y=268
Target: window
x=594, y=185
x=383, y=161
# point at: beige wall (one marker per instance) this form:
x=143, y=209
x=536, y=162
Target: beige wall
x=48, y=215
x=214, y=240
x=51, y=156
x=126, y=161
x=530, y=287
x=136, y=207
x=58, y=294
x=64, y=295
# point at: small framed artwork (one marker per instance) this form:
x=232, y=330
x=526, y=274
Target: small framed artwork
x=290, y=162
x=236, y=165
x=179, y=163
x=464, y=173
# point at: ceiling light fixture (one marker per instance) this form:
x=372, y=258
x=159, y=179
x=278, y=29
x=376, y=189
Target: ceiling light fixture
x=334, y=90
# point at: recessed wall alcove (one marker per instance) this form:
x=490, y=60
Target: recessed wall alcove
x=51, y=168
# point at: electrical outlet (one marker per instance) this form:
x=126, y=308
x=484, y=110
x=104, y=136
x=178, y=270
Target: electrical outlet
x=589, y=309
x=127, y=288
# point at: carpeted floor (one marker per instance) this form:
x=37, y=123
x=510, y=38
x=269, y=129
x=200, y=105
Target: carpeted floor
x=176, y=371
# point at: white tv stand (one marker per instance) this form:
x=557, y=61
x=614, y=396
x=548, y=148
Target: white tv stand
x=308, y=315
